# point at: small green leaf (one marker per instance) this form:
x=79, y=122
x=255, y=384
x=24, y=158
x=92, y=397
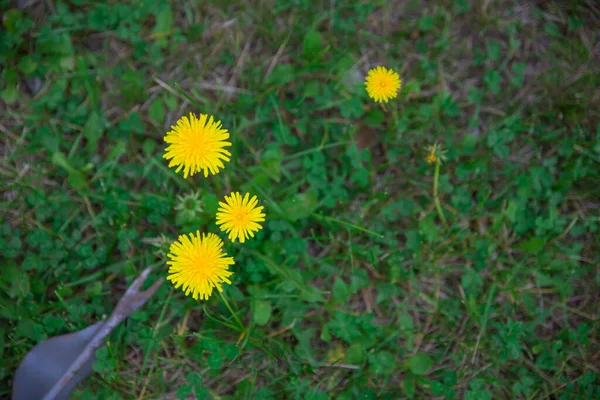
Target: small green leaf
x=461, y=6
x=493, y=80
x=27, y=65
x=283, y=134
x=117, y=150
x=411, y=87
x=312, y=89
x=426, y=23
x=48, y=139
x=156, y=111
x=353, y=108
x=170, y=101
x=518, y=70
x=420, y=364
x=10, y=94
x=300, y=205
x=355, y=354
x=311, y=296
x=92, y=131
x=408, y=385
x=430, y=229
x=271, y=162
x=262, y=312
x=59, y=159
x=149, y=146
x=32, y=330
x=494, y=49
x=374, y=117
x=215, y=361
x=67, y=62
x=11, y=19
x=531, y=245
x=94, y=290
x=312, y=44
x=15, y=281
x=382, y=363
x=406, y=322
x=183, y=392
x=359, y=280
x=340, y=291
x=163, y=27
x=103, y=365
x=281, y=74
x=53, y=323
x=10, y=76
x=76, y=179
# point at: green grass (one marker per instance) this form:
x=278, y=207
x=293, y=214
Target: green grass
x=354, y=288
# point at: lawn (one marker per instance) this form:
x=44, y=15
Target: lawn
x=376, y=275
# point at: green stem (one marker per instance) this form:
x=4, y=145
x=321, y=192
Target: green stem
x=395, y=118
x=231, y=311
x=351, y=225
x=436, y=197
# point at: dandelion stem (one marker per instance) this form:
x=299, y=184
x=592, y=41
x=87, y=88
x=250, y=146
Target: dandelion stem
x=395, y=118
x=231, y=311
x=436, y=197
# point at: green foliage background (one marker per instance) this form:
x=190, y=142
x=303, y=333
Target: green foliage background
x=353, y=289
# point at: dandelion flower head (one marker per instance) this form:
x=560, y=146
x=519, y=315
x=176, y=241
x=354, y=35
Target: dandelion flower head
x=197, y=144
x=198, y=264
x=239, y=216
x=382, y=84
x=435, y=153
x=431, y=158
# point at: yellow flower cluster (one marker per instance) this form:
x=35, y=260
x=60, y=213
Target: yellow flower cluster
x=197, y=262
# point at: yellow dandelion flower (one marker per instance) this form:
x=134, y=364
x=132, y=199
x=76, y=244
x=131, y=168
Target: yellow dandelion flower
x=199, y=264
x=197, y=144
x=239, y=216
x=435, y=153
x=431, y=158
x=382, y=84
